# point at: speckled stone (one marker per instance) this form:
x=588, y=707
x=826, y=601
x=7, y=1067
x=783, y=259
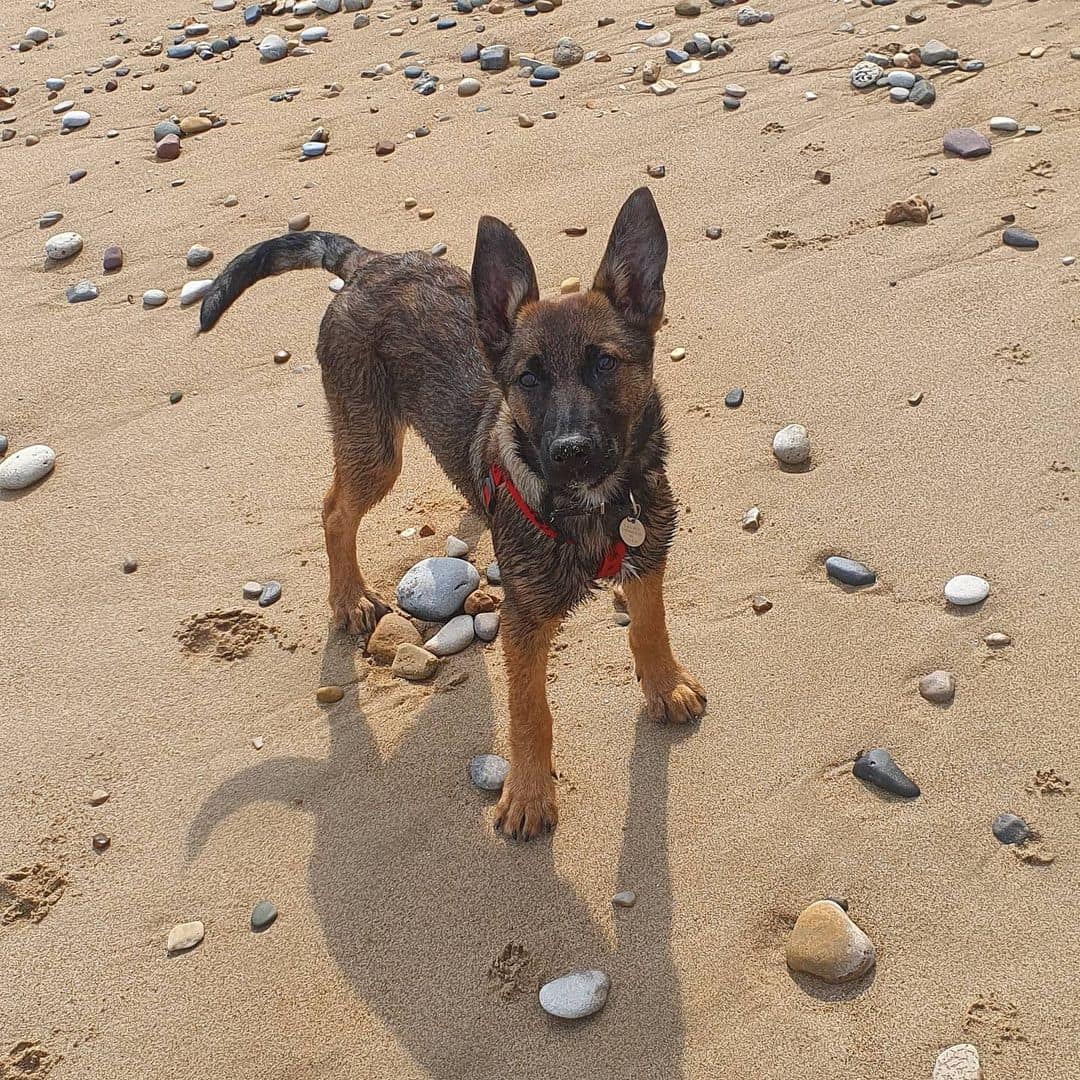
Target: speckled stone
x=938, y=687
x=26, y=466
x=959, y=1062
x=488, y=771
x=576, y=995
x=1010, y=828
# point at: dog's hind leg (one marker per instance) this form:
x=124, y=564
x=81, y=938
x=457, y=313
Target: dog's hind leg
x=367, y=461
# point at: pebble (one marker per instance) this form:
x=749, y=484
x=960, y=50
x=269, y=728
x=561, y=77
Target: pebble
x=3, y=445
x=198, y=256
x=383, y=147
x=271, y=593
x=435, y=589
x=414, y=663
x=678, y=354
x=456, y=548
x=488, y=771
x=621, y=618
x=827, y=944
x=486, y=625
x=959, y=1062
x=570, y=285
x=865, y=73
x=493, y=574
x=938, y=687
x=252, y=590
x=130, y=565
x=849, y=572
x=567, y=53
x=625, y=899
x=314, y=33
x=113, y=258
x=49, y=219
x=751, y=519
x=734, y=397
x=658, y=40
x=1019, y=238
x=328, y=695
x=877, y=767
x=495, y=58
x=391, y=631
x=98, y=796
x=81, y=292
x=791, y=444
x=263, y=915
x=176, y=397
x=935, y=52
x=1003, y=123
x=185, y=936
x=468, y=87
x=63, y=245
x=75, y=119
x=313, y=149
x=576, y=995
x=966, y=589
x=193, y=291
x=657, y=170
x=966, y=143
x=100, y=842
x=761, y=604
x=154, y=298
x=923, y=93
x=167, y=148
x=713, y=232
x=282, y=356
x=458, y=634
x=997, y=640
x=1010, y=828
x=273, y=47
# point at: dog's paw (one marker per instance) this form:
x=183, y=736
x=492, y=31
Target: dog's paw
x=357, y=611
x=527, y=808
x=673, y=697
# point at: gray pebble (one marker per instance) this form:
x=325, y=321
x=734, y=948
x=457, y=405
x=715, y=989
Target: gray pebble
x=263, y=915
x=459, y=633
x=271, y=593
x=922, y=93
x=81, y=292
x=198, y=256
x=625, y=899
x=435, y=589
x=486, y=625
x=849, y=572
x=1010, y=828
x=878, y=768
x=273, y=47
x=1019, y=238
x=493, y=574
x=488, y=771
x=154, y=298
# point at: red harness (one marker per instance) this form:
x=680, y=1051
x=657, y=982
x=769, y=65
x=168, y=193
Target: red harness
x=498, y=477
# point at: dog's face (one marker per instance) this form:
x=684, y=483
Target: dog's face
x=576, y=372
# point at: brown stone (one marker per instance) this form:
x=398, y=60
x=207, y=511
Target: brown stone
x=826, y=943
x=327, y=695
x=168, y=149
x=393, y=630
x=414, y=663
x=478, y=602
x=195, y=125
x=382, y=148
x=914, y=208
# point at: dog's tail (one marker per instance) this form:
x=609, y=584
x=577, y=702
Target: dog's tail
x=293, y=251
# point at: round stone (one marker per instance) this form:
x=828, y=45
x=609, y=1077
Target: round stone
x=791, y=444
x=130, y=565
x=468, y=87
x=198, y=256
x=486, y=625
x=272, y=47
x=899, y=93
x=827, y=944
x=436, y=589
x=567, y=53
x=26, y=466
x=1010, y=828
x=734, y=397
x=938, y=687
x=263, y=915
x=678, y=354
x=488, y=771
x=185, y=936
x=271, y=593
x=414, y=663
x=328, y=695
x=154, y=298
x=545, y=72
x=63, y=245
x=458, y=634
x=959, y=1062
x=456, y=548
x=100, y=842
x=966, y=589
x=75, y=119
x=313, y=149
x=576, y=995
x=849, y=572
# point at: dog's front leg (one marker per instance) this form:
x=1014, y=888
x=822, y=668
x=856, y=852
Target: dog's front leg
x=671, y=692
x=527, y=807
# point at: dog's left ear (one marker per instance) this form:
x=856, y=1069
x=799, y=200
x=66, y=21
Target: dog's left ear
x=503, y=279
x=631, y=274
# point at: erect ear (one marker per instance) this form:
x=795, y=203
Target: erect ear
x=503, y=279
x=631, y=273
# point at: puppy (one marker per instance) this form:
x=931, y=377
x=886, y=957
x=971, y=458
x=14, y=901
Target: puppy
x=545, y=416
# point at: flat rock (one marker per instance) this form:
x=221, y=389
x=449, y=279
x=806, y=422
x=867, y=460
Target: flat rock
x=938, y=687
x=576, y=995
x=877, y=767
x=26, y=466
x=1010, y=828
x=791, y=444
x=1003, y=123
x=966, y=143
x=827, y=944
x=459, y=633
x=486, y=625
x=436, y=589
x=184, y=936
x=392, y=630
x=849, y=572
x=263, y=915
x=154, y=298
x=75, y=119
x=414, y=663
x=488, y=771
x=82, y=291
x=959, y=1062
x=966, y=589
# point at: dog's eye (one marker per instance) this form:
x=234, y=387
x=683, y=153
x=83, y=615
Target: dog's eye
x=606, y=362
x=528, y=380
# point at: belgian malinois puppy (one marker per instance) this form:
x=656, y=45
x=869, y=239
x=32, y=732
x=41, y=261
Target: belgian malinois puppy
x=543, y=413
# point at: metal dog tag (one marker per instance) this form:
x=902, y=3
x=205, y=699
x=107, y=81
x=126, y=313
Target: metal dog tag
x=632, y=532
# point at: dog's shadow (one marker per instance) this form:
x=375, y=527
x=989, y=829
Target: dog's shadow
x=445, y=931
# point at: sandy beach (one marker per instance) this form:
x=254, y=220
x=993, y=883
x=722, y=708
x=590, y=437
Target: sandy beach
x=411, y=939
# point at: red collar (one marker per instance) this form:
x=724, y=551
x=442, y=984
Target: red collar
x=498, y=477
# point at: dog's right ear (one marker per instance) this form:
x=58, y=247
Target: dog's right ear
x=503, y=279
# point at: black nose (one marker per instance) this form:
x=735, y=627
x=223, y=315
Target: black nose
x=571, y=450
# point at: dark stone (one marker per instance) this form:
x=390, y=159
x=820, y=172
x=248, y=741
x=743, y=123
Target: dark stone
x=545, y=72
x=878, y=768
x=76, y=175
x=676, y=56
x=494, y=57
x=1019, y=238
x=413, y=71
x=849, y=571
x=252, y=14
x=113, y=258
x=713, y=232
x=644, y=24
x=922, y=93
x=446, y=24
x=263, y=915
x=1010, y=828
x=733, y=398
x=176, y=397
x=471, y=53
x=966, y=143
x=271, y=594
x=130, y=565
x=100, y=841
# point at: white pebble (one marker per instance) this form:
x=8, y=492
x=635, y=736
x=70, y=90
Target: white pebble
x=456, y=548
x=966, y=589
x=194, y=291
x=63, y=245
x=791, y=444
x=575, y=996
x=26, y=467
x=75, y=119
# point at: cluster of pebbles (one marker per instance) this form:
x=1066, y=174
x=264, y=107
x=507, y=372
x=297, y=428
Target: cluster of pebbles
x=895, y=69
